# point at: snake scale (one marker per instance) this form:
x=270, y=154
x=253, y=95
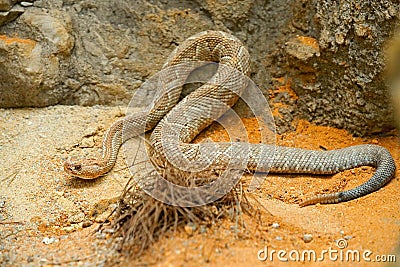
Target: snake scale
x=176, y=123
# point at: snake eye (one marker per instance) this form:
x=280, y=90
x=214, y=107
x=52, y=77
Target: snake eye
x=78, y=167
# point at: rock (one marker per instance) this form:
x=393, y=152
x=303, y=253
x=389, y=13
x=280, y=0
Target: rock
x=71, y=228
x=50, y=29
x=49, y=240
x=302, y=47
x=6, y=5
x=26, y=4
x=203, y=229
x=11, y=14
x=190, y=228
x=43, y=261
x=349, y=70
x=393, y=74
x=100, y=52
x=275, y=225
x=307, y=238
x=31, y=67
x=23, y=71
x=348, y=237
x=101, y=218
x=87, y=223
x=87, y=142
x=77, y=217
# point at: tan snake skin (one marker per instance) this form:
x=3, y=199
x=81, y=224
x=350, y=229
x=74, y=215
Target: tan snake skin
x=177, y=124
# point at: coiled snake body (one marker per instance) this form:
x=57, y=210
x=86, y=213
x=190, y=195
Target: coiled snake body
x=176, y=124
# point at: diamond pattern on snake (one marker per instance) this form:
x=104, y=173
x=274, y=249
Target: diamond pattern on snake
x=169, y=113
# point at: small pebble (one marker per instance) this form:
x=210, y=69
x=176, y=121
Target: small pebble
x=348, y=237
x=279, y=238
x=26, y=4
x=49, y=240
x=341, y=232
x=100, y=235
x=109, y=231
x=68, y=229
x=203, y=229
x=275, y=225
x=214, y=210
x=87, y=224
x=76, y=218
x=307, y=238
x=190, y=228
x=88, y=142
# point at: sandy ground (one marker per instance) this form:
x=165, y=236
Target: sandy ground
x=50, y=219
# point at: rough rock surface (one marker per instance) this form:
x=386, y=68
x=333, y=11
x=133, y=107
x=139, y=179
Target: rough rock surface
x=320, y=60
x=393, y=74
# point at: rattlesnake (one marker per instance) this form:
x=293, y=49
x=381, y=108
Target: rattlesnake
x=176, y=124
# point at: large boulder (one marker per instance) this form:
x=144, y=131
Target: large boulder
x=320, y=60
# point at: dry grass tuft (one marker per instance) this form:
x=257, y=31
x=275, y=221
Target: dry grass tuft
x=141, y=219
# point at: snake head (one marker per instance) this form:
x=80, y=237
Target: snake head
x=83, y=168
